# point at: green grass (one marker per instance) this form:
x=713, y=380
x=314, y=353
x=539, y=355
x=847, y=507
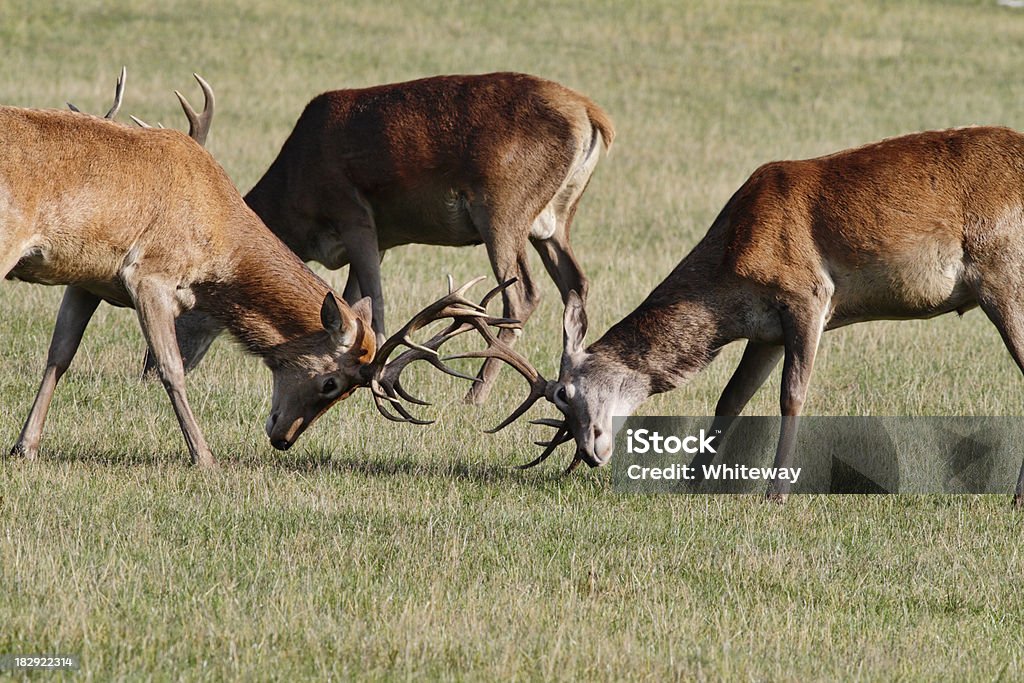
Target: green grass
x=389, y=551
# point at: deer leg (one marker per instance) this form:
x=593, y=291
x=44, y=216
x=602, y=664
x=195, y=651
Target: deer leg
x=76, y=310
x=801, y=331
x=352, y=292
x=360, y=240
x=519, y=302
x=755, y=366
x=156, y=309
x=195, y=332
x=560, y=262
x=1010, y=324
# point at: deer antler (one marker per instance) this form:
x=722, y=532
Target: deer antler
x=142, y=124
x=383, y=376
x=118, y=97
x=539, y=388
x=199, y=124
x=502, y=351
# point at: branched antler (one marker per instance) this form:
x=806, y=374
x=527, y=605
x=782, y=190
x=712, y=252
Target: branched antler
x=498, y=349
x=118, y=97
x=383, y=376
x=539, y=388
x=199, y=124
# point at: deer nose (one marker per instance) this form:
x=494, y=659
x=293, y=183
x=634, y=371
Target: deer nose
x=602, y=446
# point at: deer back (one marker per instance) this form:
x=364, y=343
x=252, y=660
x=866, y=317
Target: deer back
x=413, y=150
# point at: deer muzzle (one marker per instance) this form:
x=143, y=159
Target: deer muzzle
x=283, y=433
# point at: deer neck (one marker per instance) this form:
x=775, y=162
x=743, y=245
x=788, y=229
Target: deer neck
x=267, y=198
x=271, y=200
x=674, y=334
x=271, y=301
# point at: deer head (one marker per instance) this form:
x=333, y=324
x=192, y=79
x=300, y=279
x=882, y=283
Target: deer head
x=343, y=357
x=319, y=370
x=591, y=389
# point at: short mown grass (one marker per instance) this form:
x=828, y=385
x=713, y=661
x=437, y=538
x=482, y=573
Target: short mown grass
x=375, y=550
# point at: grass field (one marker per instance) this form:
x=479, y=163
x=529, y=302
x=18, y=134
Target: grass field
x=374, y=550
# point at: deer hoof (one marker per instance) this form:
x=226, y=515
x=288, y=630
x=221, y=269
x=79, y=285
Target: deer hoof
x=205, y=461
x=20, y=450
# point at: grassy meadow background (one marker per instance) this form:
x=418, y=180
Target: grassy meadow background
x=376, y=550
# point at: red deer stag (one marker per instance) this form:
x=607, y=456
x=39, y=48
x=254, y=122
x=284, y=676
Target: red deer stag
x=148, y=220
x=906, y=228
x=500, y=159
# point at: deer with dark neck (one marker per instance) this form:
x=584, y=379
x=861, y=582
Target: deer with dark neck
x=906, y=228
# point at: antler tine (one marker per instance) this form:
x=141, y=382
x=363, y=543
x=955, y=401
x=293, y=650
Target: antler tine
x=497, y=290
x=383, y=374
x=406, y=396
x=379, y=399
x=142, y=124
x=561, y=437
x=534, y=396
x=118, y=97
x=461, y=291
x=199, y=124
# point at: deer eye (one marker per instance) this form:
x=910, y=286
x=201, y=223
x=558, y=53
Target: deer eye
x=330, y=386
x=561, y=395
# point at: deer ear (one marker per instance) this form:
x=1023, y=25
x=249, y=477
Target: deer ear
x=364, y=345
x=339, y=323
x=364, y=309
x=574, y=324
x=330, y=314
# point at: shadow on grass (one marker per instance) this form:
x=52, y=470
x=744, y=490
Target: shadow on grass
x=318, y=461
x=106, y=458
x=376, y=466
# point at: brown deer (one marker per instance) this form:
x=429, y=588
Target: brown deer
x=906, y=228
x=148, y=220
x=500, y=159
